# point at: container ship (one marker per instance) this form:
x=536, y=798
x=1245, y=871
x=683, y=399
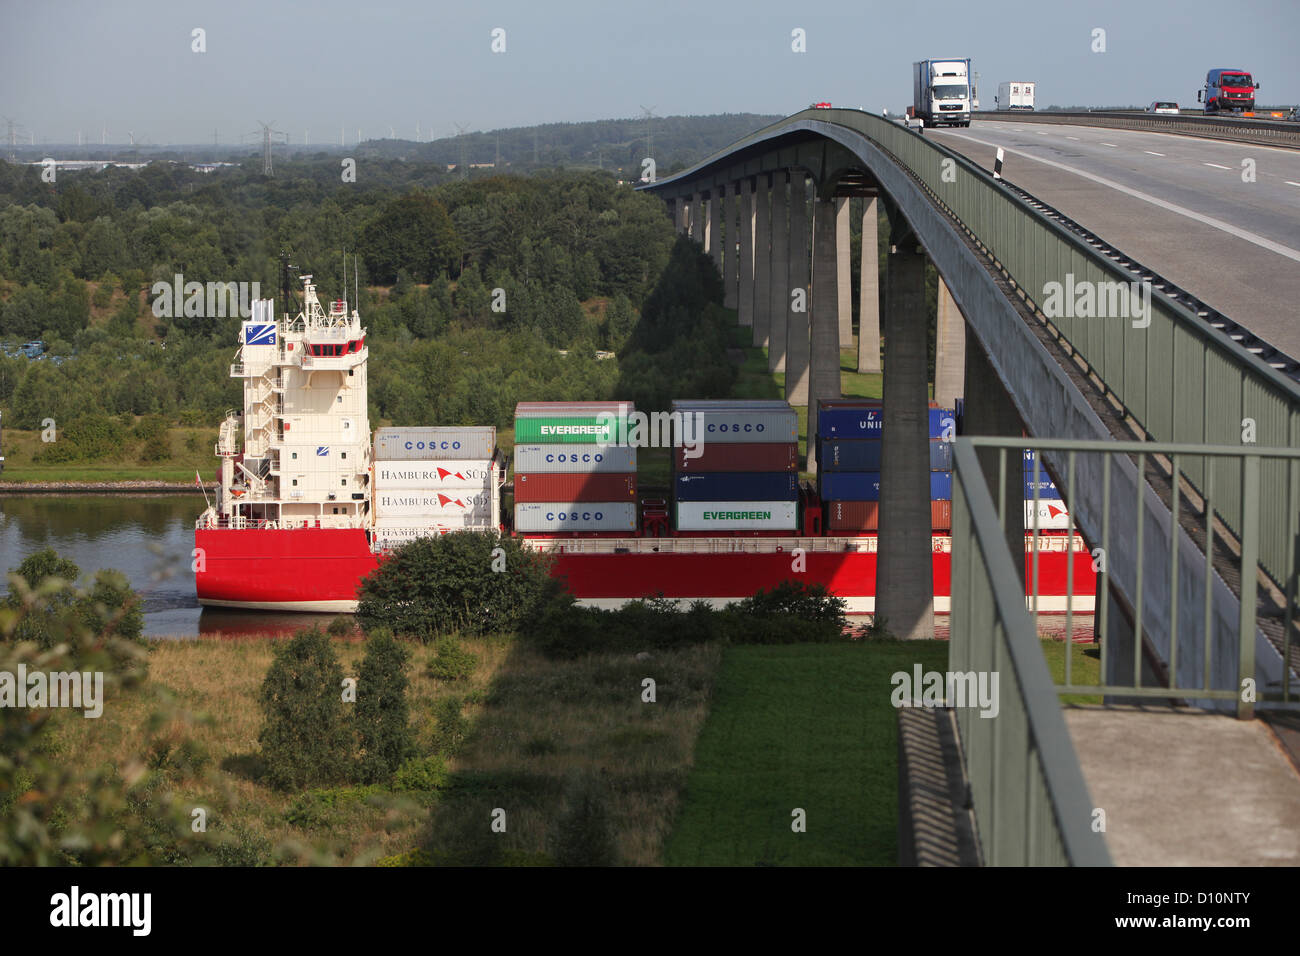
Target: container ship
x=309, y=503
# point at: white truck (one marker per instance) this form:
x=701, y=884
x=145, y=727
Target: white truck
x=941, y=92
x=1015, y=95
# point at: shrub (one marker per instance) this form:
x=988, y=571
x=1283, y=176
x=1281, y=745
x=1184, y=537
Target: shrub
x=305, y=740
x=790, y=613
x=422, y=775
x=584, y=835
x=381, y=721
x=341, y=626
x=108, y=609
x=451, y=726
x=451, y=661
x=448, y=584
x=153, y=430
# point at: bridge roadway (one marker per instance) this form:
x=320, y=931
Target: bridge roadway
x=1176, y=204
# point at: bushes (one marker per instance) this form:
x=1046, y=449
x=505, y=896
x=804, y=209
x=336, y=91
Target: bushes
x=585, y=836
x=305, y=740
x=49, y=606
x=383, y=734
x=449, y=584
x=451, y=661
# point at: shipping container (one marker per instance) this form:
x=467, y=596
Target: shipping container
x=940, y=455
x=851, y=454
x=865, y=418
x=865, y=486
x=737, y=456
x=572, y=409
x=738, y=426
x=599, y=428
x=737, y=486
x=540, y=487
x=857, y=516
x=736, y=516
x=1046, y=487
x=472, y=474
x=433, y=504
x=1052, y=515
x=555, y=516
x=476, y=442
x=574, y=459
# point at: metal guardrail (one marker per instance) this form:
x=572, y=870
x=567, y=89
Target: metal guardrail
x=1262, y=132
x=1030, y=800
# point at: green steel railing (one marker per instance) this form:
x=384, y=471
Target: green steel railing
x=1030, y=800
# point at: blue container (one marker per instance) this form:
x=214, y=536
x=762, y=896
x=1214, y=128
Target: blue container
x=737, y=486
x=864, y=422
x=1047, y=489
x=937, y=422
x=940, y=455
x=850, y=485
x=941, y=486
x=855, y=454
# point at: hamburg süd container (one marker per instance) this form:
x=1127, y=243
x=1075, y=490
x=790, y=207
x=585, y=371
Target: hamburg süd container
x=592, y=486
x=434, y=505
x=574, y=459
x=736, y=516
x=443, y=474
x=556, y=517
x=1052, y=515
x=737, y=486
x=475, y=442
x=738, y=456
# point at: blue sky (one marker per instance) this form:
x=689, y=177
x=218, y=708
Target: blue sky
x=313, y=67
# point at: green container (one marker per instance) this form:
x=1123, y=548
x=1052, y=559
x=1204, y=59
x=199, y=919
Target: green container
x=575, y=430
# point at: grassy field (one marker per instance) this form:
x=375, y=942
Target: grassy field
x=191, y=450
x=802, y=726
x=1085, y=667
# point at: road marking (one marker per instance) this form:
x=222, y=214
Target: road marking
x=1111, y=145
x=1041, y=132
x=1216, y=165
x=1072, y=137
x=1289, y=183
x=1219, y=224
x=1152, y=152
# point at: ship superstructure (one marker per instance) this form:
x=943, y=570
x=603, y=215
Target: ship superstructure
x=305, y=455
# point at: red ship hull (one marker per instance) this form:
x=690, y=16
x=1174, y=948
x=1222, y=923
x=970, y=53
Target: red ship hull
x=320, y=569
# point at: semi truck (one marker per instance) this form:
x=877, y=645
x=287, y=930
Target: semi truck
x=1228, y=90
x=941, y=92
x=1015, y=95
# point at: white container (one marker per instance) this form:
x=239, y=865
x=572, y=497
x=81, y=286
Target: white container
x=737, y=516
x=563, y=459
x=446, y=475
x=735, y=423
x=1052, y=515
x=558, y=517
x=428, y=443
x=402, y=505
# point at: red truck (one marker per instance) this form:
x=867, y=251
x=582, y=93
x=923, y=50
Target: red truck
x=1228, y=90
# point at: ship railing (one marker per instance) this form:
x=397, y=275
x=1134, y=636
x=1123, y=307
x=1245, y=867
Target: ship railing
x=240, y=523
x=237, y=370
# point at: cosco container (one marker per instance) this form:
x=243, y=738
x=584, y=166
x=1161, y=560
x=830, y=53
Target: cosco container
x=471, y=474
x=865, y=486
x=739, y=456
x=736, y=425
x=475, y=442
x=574, y=459
x=737, y=486
x=854, y=454
x=580, y=487
x=596, y=428
x=737, y=516
x=557, y=516
x=858, y=516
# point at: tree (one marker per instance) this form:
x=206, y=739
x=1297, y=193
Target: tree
x=383, y=734
x=305, y=740
x=412, y=232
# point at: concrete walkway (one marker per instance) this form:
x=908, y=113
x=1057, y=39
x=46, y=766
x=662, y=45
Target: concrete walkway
x=1188, y=788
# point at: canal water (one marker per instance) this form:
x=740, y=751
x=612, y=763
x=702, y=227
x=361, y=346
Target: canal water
x=149, y=538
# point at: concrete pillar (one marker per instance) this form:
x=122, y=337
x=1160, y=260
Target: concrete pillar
x=779, y=277
x=904, y=569
x=715, y=227
x=762, y=262
x=844, y=271
x=949, y=350
x=676, y=212
x=824, y=364
x=697, y=218
x=990, y=411
x=731, y=261
x=869, y=293
x=797, y=332
x=746, y=289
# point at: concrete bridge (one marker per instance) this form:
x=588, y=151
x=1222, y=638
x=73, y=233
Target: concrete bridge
x=1213, y=400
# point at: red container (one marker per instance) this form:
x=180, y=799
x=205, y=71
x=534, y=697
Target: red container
x=743, y=456
x=574, y=487
x=851, y=516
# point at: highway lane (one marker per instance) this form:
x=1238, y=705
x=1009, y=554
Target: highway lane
x=1177, y=204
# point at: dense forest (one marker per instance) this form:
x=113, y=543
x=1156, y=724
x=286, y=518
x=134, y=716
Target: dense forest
x=477, y=293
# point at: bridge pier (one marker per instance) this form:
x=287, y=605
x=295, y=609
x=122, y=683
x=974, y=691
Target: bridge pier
x=797, y=332
x=746, y=292
x=844, y=271
x=869, y=291
x=731, y=261
x=715, y=227
x=779, y=275
x=949, y=350
x=824, y=365
x=762, y=262
x=904, y=569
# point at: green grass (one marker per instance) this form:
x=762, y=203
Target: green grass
x=801, y=726
x=21, y=447
x=1085, y=667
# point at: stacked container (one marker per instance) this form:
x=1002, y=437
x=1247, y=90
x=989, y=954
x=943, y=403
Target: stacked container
x=735, y=466
x=849, y=464
x=431, y=480
x=1052, y=513
x=572, y=472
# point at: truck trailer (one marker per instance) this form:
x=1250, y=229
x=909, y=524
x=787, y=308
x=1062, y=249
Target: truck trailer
x=941, y=92
x=1015, y=95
